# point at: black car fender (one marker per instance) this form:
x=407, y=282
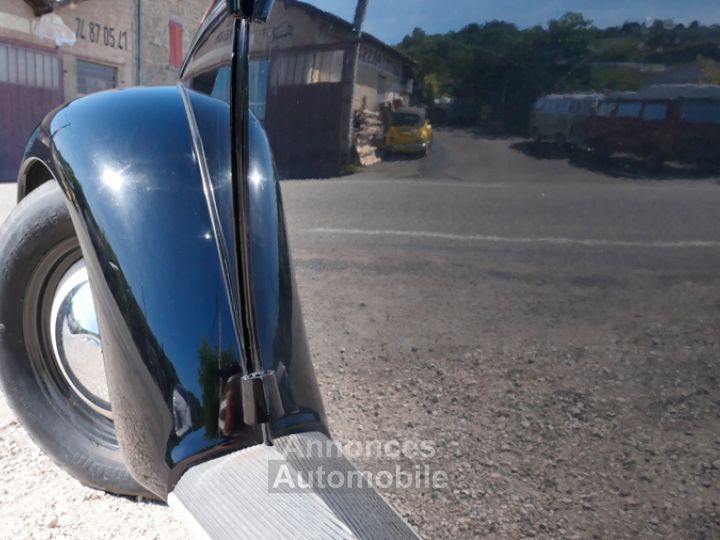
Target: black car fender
x=134, y=168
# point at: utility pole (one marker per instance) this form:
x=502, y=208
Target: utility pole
x=138, y=42
x=359, y=19
x=349, y=73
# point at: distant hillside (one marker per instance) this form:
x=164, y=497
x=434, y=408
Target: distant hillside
x=494, y=71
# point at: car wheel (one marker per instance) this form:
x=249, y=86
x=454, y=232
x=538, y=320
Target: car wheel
x=51, y=364
x=654, y=160
x=706, y=161
x=600, y=154
x=535, y=136
x=561, y=145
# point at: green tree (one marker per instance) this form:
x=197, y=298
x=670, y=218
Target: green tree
x=495, y=71
x=710, y=73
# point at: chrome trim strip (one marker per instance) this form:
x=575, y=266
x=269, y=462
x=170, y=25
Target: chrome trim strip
x=218, y=232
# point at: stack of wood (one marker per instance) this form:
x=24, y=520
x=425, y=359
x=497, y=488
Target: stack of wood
x=368, y=136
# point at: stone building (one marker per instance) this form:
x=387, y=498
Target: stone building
x=163, y=24
x=303, y=79
x=311, y=43
x=52, y=51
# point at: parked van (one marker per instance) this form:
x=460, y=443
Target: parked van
x=673, y=122
x=562, y=119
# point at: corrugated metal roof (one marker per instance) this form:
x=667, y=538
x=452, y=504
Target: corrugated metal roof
x=312, y=10
x=573, y=96
x=672, y=91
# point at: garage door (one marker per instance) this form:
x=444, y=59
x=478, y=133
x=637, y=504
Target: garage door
x=30, y=87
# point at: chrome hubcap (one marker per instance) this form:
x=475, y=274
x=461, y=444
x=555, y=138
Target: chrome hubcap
x=76, y=339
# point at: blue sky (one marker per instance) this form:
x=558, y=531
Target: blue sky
x=390, y=20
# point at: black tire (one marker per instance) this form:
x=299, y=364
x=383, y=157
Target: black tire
x=654, y=161
x=600, y=154
x=561, y=145
x=706, y=161
x=535, y=136
x=36, y=242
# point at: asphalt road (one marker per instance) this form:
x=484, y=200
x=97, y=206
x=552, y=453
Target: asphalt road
x=503, y=231
x=550, y=326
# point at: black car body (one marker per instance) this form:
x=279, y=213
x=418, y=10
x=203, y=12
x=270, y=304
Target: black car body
x=189, y=170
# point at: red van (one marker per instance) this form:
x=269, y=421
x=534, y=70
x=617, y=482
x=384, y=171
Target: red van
x=661, y=123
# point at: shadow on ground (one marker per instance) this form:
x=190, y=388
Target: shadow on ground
x=618, y=166
x=401, y=156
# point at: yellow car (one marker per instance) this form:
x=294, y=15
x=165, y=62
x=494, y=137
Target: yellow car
x=410, y=131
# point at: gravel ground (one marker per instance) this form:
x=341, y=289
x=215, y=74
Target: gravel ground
x=8, y=193
x=601, y=424
x=39, y=501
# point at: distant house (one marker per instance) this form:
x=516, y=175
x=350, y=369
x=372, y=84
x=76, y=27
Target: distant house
x=654, y=74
